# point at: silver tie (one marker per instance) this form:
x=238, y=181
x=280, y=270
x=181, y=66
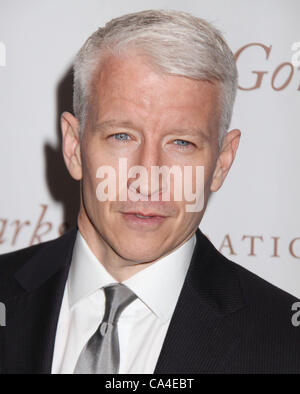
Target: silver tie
x=101, y=355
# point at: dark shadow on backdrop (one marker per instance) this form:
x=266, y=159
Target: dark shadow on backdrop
x=62, y=187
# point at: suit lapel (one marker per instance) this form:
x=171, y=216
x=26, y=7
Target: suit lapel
x=200, y=338
x=33, y=310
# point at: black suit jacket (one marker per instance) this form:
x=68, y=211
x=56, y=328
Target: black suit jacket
x=227, y=320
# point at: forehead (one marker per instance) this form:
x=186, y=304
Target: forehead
x=130, y=86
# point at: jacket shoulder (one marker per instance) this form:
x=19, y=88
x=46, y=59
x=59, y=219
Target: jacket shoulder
x=253, y=287
x=13, y=261
x=258, y=288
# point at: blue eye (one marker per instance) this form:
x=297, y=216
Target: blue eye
x=121, y=136
x=182, y=143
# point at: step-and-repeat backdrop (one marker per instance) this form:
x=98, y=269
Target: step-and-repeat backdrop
x=254, y=219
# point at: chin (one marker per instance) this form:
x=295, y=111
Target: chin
x=139, y=254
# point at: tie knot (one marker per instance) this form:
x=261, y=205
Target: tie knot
x=117, y=297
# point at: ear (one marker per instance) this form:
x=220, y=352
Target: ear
x=70, y=128
x=225, y=158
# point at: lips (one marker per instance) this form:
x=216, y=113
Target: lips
x=143, y=217
x=140, y=220
x=144, y=214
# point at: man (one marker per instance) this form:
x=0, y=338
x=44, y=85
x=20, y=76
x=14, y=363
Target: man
x=137, y=288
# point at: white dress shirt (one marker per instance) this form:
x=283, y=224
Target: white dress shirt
x=143, y=324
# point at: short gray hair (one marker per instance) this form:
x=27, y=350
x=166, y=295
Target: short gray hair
x=175, y=42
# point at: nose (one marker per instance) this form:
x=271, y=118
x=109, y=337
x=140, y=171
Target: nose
x=145, y=183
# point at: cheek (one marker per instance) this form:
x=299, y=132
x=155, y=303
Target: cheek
x=93, y=158
x=209, y=164
x=89, y=168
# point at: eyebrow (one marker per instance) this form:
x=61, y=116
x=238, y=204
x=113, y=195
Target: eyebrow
x=108, y=124
x=195, y=131
x=114, y=123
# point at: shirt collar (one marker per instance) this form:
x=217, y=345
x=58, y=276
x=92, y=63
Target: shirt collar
x=87, y=274
x=158, y=286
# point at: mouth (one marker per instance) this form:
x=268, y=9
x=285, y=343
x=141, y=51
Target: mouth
x=138, y=219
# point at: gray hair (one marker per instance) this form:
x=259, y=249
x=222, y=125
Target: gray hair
x=175, y=42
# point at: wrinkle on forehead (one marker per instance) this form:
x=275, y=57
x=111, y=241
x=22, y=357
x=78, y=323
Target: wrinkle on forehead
x=131, y=80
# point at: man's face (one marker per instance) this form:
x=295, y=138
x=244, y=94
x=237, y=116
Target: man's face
x=149, y=119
